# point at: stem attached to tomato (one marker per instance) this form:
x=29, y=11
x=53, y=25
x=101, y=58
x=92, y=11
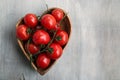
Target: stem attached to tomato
x=47, y=7
x=29, y=31
x=38, y=17
x=50, y=50
x=47, y=47
x=30, y=55
x=63, y=18
x=51, y=39
x=58, y=38
x=56, y=31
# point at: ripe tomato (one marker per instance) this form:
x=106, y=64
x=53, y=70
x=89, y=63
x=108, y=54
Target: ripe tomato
x=30, y=20
x=32, y=48
x=43, y=61
x=54, y=51
x=41, y=37
x=21, y=32
x=48, y=21
x=61, y=37
x=57, y=27
x=58, y=14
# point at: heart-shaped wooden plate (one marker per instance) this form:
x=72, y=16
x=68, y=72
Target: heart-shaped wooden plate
x=66, y=25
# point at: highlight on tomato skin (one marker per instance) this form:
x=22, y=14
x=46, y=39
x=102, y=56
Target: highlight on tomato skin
x=54, y=51
x=41, y=37
x=43, y=61
x=61, y=37
x=48, y=21
x=57, y=27
x=58, y=14
x=32, y=48
x=21, y=32
x=31, y=20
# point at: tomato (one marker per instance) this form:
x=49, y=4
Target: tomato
x=58, y=14
x=21, y=32
x=43, y=61
x=57, y=27
x=32, y=48
x=54, y=51
x=61, y=37
x=48, y=21
x=30, y=20
x=41, y=37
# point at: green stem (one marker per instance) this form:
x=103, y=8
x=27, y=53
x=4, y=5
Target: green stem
x=63, y=18
x=38, y=17
x=39, y=52
x=30, y=55
x=52, y=39
x=29, y=31
x=45, y=49
x=58, y=38
x=47, y=7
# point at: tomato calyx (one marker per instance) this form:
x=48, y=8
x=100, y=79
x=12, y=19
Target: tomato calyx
x=58, y=38
x=50, y=50
x=42, y=46
x=47, y=46
x=29, y=31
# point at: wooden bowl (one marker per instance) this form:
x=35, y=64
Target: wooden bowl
x=66, y=25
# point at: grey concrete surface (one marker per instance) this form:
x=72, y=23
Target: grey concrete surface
x=93, y=52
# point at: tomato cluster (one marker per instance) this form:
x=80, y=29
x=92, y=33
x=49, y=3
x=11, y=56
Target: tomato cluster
x=43, y=37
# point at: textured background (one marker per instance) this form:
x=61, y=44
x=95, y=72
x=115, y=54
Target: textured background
x=93, y=52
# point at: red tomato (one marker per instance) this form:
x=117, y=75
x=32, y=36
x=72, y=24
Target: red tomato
x=57, y=27
x=30, y=20
x=33, y=48
x=61, y=37
x=58, y=14
x=21, y=32
x=41, y=37
x=48, y=21
x=55, y=51
x=43, y=61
